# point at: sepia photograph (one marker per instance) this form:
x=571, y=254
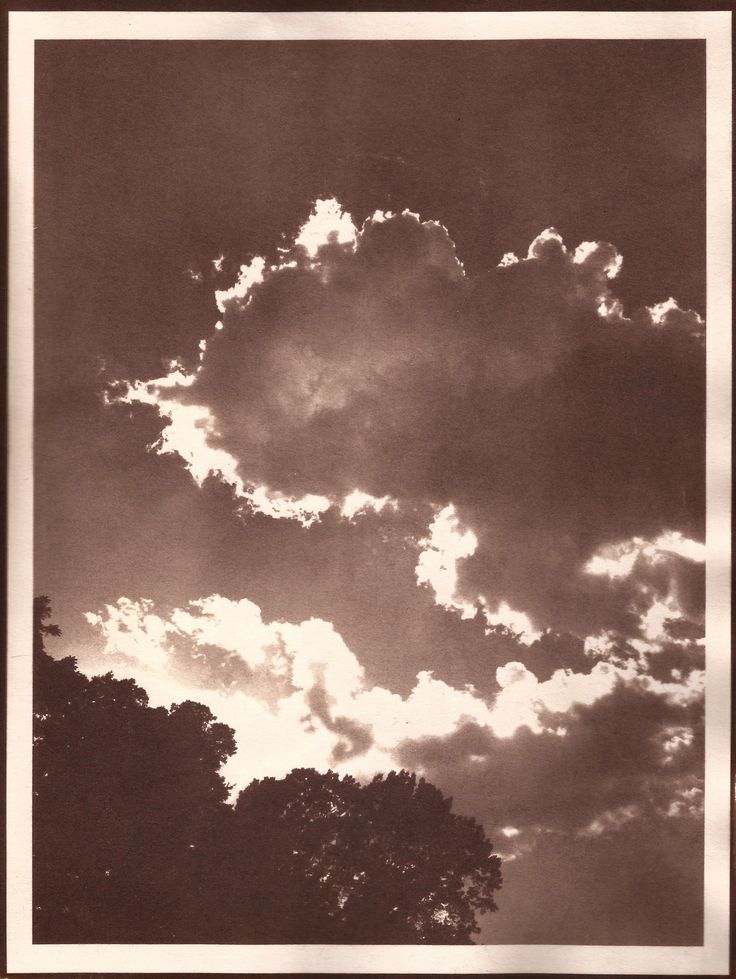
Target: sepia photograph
x=370, y=488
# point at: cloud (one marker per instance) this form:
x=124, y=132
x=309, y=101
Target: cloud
x=605, y=818
x=354, y=738
x=437, y=563
x=669, y=315
x=190, y=433
x=573, y=770
x=618, y=560
x=264, y=679
x=249, y=276
x=610, y=821
x=506, y=618
x=312, y=688
x=522, y=403
x=327, y=223
x=357, y=502
x=294, y=689
x=615, y=763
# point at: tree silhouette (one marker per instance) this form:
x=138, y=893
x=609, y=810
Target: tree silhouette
x=126, y=799
x=331, y=860
x=134, y=840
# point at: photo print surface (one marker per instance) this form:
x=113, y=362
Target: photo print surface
x=369, y=492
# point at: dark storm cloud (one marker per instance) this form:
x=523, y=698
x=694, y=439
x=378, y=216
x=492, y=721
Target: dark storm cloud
x=612, y=756
x=612, y=808
x=556, y=423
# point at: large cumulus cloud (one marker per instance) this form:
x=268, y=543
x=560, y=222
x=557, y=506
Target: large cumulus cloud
x=554, y=423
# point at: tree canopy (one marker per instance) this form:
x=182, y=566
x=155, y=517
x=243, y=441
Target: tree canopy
x=125, y=795
x=134, y=839
x=383, y=862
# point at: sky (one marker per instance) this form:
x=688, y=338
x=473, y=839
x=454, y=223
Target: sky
x=369, y=411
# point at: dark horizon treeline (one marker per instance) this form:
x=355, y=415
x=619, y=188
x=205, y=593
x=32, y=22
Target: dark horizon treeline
x=134, y=839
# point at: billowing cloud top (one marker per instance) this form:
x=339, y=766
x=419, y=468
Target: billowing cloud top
x=366, y=369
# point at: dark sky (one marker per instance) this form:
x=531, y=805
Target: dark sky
x=557, y=433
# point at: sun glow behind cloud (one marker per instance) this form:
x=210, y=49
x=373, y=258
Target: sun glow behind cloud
x=191, y=430
x=295, y=694
x=343, y=368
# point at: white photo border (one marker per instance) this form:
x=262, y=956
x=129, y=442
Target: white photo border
x=25, y=27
